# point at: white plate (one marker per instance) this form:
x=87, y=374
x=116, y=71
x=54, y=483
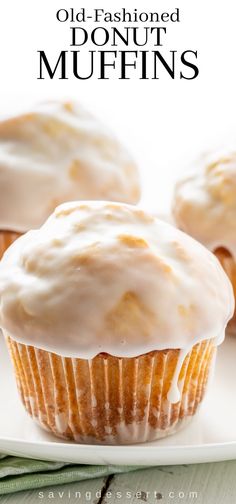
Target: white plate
x=210, y=437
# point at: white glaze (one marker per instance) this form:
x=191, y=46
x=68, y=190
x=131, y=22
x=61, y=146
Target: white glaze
x=174, y=394
x=103, y=277
x=107, y=277
x=54, y=153
x=204, y=203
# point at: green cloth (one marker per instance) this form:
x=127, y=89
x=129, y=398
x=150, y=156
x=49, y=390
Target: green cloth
x=17, y=473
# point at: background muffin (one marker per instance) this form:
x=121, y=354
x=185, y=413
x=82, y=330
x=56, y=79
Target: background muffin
x=54, y=153
x=112, y=318
x=204, y=206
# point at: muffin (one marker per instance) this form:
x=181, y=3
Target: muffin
x=204, y=206
x=112, y=318
x=54, y=153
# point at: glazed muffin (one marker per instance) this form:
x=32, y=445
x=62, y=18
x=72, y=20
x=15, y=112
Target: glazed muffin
x=204, y=206
x=112, y=318
x=54, y=153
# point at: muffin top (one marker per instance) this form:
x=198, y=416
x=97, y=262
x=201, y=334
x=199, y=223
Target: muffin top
x=204, y=202
x=106, y=277
x=55, y=153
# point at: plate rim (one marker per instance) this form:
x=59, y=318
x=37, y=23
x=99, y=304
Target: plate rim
x=164, y=455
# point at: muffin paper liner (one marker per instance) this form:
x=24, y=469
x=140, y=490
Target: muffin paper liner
x=6, y=239
x=108, y=399
x=229, y=265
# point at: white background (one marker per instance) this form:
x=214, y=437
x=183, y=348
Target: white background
x=164, y=123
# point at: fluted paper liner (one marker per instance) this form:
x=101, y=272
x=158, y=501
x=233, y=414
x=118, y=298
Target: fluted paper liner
x=6, y=239
x=109, y=399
